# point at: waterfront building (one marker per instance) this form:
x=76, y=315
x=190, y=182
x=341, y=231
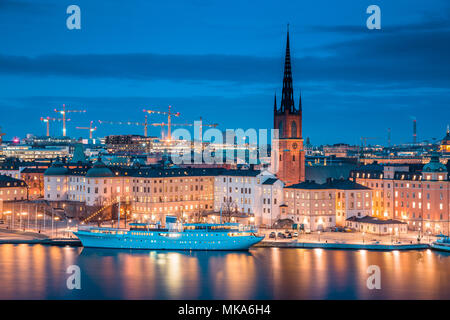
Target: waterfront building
x=254, y=193
x=153, y=192
x=187, y=193
x=150, y=192
x=322, y=206
x=372, y=225
x=288, y=154
x=418, y=197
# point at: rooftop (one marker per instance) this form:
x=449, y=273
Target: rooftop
x=7, y=181
x=339, y=184
x=368, y=219
x=270, y=181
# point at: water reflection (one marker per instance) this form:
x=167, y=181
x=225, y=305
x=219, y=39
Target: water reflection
x=39, y=272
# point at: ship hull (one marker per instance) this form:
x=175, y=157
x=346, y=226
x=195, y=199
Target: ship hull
x=160, y=241
x=440, y=246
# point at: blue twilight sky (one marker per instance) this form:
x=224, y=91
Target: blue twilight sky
x=223, y=60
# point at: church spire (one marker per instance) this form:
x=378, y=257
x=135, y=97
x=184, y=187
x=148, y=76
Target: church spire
x=287, y=99
x=275, y=102
x=300, y=102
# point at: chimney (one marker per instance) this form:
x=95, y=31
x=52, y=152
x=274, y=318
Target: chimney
x=414, y=131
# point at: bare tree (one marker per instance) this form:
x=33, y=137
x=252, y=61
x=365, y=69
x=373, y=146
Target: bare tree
x=228, y=208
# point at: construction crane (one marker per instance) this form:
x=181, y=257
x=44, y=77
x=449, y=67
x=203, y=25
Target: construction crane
x=364, y=140
x=129, y=123
x=169, y=119
x=201, y=125
x=90, y=128
x=64, y=112
x=47, y=121
x=158, y=124
x=133, y=123
x=1, y=135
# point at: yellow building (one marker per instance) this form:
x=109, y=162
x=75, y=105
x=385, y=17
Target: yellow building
x=323, y=206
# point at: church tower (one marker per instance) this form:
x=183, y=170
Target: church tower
x=288, y=156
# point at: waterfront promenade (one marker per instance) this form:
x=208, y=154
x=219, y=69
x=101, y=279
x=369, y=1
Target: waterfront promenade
x=326, y=240
x=30, y=237
x=347, y=240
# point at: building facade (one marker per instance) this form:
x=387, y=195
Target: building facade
x=321, y=206
x=12, y=189
x=372, y=225
x=254, y=193
x=34, y=178
x=418, y=197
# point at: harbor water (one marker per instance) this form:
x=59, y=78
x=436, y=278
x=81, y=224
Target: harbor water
x=41, y=272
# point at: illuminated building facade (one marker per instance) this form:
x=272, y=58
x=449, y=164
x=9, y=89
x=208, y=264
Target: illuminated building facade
x=373, y=225
x=420, y=198
x=189, y=193
x=129, y=144
x=327, y=205
x=29, y=153
x=253, y=193
x=34, y=178
x=150, y=191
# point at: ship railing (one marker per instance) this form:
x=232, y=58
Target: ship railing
x=251, y=228
x=90, y=228
x=84, y=228
x=178, y=227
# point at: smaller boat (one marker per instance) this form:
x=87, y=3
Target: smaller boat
x=442, y=243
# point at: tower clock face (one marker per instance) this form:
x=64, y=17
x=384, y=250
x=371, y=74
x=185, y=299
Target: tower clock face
x=294, y=145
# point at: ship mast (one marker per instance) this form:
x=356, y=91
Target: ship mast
x=118, y=216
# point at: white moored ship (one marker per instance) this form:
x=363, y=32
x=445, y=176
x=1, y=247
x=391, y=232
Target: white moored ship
x=175, y=236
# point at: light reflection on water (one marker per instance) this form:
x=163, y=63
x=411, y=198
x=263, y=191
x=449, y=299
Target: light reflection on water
x=39, y=272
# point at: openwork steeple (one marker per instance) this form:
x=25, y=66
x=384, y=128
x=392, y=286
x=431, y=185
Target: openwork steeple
x=287, y=99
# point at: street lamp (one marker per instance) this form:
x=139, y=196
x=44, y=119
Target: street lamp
x=22, y=214
x=319, y=236
x=56, y=224
x=363, y=235
x=40, y=224
x=7, y=213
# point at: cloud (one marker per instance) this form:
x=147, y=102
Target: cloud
x=6, y=6
x=414, y=58
x=430, y=25
x=143, y=66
